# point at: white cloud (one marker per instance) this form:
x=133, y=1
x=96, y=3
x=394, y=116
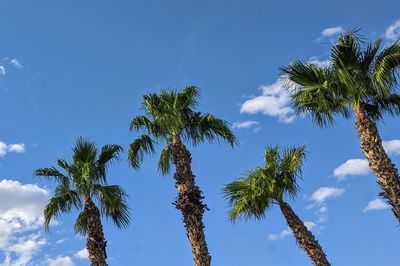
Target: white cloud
x=82, y=254
x=352, y=167
x=16, y=63
x=375, y=205
x=245, y=124
x=2, y=70
x=16, y=148
x=392, y=146
x=315, y=60
x=281, y=235
x=393, y=31
x=60, y=261
x=274, y=101
x=324, y=193
x=328, y=32
x=21, y=214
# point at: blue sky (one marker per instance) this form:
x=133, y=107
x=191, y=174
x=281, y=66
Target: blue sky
x=79, y=68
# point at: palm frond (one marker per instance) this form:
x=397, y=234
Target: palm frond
x=138, y=148
x=209, y=128
x=51, y=173
x=113, y=204
x=84, y=151
x=165, y=161
x=250, y=196
x=63, y=201
x=387, y=66
x=81, y=224
x=187, y=98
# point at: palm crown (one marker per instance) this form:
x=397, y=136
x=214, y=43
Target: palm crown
x=357, y=76
x=170, y=113
x=86, y=178
x=258, y=189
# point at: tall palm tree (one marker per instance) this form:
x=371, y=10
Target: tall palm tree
x=259, y=189
x=170, y=117
x=361, y=79
x=80, y=185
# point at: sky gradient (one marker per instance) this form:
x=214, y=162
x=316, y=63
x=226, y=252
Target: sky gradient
x=80, y=68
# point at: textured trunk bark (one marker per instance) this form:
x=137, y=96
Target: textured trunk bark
x=304, y=238
x=95, y=244
x=379, y=161
x=190, y=203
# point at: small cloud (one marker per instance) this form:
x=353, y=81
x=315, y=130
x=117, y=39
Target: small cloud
x=288, y=232
x=281, y=235
x=244, y=124
x=16, y=148
x=274, y=101
x=393, y=31
x=392, y=146
x=2, y=70
x=16, y=63
x=376, y=205
x=315, y=60
x=329, y=32
x=82, y=254
x=352, y=167
x=323, y=193
x=60, y=261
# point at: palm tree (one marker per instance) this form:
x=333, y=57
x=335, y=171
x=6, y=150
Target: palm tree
x=170, y=118
x=360, y=79
x=259, y=189
x=83, y=182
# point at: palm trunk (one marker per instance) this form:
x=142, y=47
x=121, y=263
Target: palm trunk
x=379, y=161
x=95, y=244
x=304, y=237
x=190, y=203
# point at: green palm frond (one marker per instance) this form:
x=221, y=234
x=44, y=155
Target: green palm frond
x=250, y=196
x=108, y=155
x=255, y=192
x=138, y=148
x=81, y=224
x=112, y=201
x=84, y=151
x=211, y=128
x=63, y=201
x=165, y=161
x=387, y=66
x=51, y=173
x=187, y=98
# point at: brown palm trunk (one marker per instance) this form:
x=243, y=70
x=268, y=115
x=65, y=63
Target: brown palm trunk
x=379, y=161
x=190, y=203
x=95, y=244
x=304, y=237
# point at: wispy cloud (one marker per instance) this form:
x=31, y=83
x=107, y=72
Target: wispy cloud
x=392, y=33
x=352, y=167
x=274, y=101
x=245, y=124
x=333, y=31
x=376, y=205
x=318, y=200
x=2, y=70
x=16, y=148
x=16, y=63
